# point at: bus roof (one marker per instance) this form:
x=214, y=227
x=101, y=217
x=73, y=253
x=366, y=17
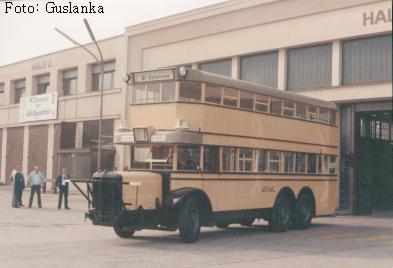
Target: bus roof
x=219, y=80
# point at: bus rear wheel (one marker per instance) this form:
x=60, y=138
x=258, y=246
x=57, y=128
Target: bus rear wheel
x=123, y=231
x=281, y=215
x=303, y=213
x=189, y=221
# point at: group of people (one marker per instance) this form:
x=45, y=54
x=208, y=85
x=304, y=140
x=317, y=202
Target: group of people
x=36, y=180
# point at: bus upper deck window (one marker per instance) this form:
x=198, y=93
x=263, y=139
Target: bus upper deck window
x=153, y=92
x=300, y=110
x=275, y=106
x=332, y=117
x=289, y=108
x=323, y=115
x=312, y=113
x=262, y=103
x=139, y=93
x=213, y=94
x=190, y=91
x=246, y=100
x=168, y=91
x=231, y=97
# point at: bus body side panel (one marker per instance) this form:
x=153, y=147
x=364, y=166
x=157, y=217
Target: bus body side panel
x=235, y=192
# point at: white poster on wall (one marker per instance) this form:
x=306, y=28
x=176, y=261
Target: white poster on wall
x=38, y=107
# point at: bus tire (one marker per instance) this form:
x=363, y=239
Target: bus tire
x=304, y=210
x=247, y=221
x=281, y=214
x=189, y=221
x=123, y=231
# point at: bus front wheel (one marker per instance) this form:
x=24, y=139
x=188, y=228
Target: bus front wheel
x=123, y=231
x=189, y=221
x=303, y=213
x=281, y=214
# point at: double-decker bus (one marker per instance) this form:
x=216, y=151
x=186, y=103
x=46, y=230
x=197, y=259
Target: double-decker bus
x=206, y=150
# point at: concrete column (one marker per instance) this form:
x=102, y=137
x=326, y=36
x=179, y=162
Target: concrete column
x=235, y=67
x=336, y=63
x=54, y=82
x=120, y=149
x=282, y=69
x=50, y=152
x=25, y=166
x=30, y=85
x=7, y=93
x=79, y=135
x=3, y=156
x=84, y=79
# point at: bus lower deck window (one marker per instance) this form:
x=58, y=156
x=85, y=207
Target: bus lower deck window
x=188, y=157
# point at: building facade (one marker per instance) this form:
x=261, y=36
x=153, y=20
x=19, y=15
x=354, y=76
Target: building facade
x=340, y=51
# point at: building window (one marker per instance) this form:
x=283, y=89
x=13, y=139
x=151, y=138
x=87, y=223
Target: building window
x=20, y=89
x=262, y=161
x=301, y=110
x=213, y=94
x=168, y=91
x=323, y=164
x=188, y=157
x=221, y=67
x=109, y=70
x=332, y=164
x=246, y=100
x=289, y=162
x=261, y=69
x=367, y=59
x=309, y=67
x=90, y=133
x=70, y=80
x=139, y=93
x=231, y=97
x=332, y=117
x=229, y=158
x=67, y=136
x=190, y=91
x=43, y=83
x=211, y=159
x=2, y=98
x=245, y=159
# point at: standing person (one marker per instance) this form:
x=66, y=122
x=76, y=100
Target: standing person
x=62, y=181
x=19, y=185
x=35, y=179
x=12, y=179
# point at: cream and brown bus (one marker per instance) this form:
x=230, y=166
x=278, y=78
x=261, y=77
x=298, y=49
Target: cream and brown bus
x=206, y=150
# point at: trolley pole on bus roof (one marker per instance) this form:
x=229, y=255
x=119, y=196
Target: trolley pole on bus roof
x=100, y=61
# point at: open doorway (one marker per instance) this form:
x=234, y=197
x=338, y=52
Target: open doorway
x=373, y=168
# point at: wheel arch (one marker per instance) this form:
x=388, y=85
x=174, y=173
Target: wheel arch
x=177, y=198
x=288, y=192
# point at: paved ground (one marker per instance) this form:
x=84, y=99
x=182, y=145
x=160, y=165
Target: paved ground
x=51, y=238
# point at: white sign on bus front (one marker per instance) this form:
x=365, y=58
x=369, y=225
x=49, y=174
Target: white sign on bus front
x=38, y=107
x=154, y=76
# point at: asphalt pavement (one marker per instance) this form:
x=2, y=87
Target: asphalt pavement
x=49, y=237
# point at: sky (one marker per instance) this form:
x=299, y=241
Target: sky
x=24, y=36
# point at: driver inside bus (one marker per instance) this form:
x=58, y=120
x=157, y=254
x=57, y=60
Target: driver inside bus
x=185, y=162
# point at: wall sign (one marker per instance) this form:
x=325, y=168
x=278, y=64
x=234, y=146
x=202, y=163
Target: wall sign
x=41, y=65
x=38, y=107
x=377, y=16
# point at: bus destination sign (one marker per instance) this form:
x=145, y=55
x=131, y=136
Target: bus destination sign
x=159, y=75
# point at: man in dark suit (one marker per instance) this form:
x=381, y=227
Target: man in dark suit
x=19, y=185
x=62, y=181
